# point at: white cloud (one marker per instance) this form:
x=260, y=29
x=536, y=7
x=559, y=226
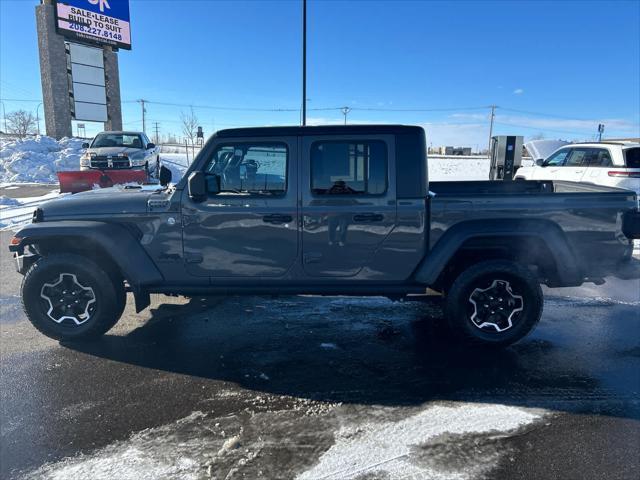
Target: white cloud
x=518, y=91
x=472, y=129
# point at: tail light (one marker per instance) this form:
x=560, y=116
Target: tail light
x=622, y=173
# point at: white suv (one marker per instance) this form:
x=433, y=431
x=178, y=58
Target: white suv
x=614, y=164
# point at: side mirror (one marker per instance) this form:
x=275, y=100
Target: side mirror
x=165, y=176
x=197, y=187
x=150, y=146
x=540, y=162
x=85, y=145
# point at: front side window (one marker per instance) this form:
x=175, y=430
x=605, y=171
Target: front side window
x=558, y=159
x=116, y=140
x=250, y=168
x=349, y=168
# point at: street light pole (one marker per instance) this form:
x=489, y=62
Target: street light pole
x=304, y=62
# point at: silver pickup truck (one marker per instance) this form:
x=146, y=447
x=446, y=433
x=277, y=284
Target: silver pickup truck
x=339, y=210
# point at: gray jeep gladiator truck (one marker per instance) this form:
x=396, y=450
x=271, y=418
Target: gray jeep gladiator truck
x=334, y=210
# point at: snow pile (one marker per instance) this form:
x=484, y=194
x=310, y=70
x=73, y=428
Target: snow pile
x=38, y=159
x=8, y=201
x=415, y=447
x=458, y=168
x=15, y=212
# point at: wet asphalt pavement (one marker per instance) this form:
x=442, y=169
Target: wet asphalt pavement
x=315, y=387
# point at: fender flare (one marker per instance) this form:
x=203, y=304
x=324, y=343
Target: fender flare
x=546, y=231
x=120, y=244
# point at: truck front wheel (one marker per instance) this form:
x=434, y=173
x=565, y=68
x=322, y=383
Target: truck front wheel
x=70, y=297
x=494, y=303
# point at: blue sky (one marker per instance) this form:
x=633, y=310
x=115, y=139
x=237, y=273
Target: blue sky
x=554, y=68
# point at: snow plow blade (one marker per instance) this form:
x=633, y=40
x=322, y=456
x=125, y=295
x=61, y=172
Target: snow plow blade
x=79, y=181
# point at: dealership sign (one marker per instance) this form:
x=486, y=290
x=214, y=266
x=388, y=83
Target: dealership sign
x=103, y=22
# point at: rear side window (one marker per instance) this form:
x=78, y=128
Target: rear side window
x=349, y=168
x=599, y=157
x=632, y=157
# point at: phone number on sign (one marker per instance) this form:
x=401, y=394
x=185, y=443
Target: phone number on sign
x=98, y=32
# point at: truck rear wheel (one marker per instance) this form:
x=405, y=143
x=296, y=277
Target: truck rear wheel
x=494, y=303
x=70, y=297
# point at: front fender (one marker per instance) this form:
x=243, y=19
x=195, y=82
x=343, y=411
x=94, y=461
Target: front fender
x=116, y=241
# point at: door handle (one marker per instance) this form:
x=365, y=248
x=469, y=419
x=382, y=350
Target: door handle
x=368, y=217
x=277, y=219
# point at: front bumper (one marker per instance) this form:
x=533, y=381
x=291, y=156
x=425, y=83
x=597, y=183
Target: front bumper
x=129, y=167
x=24, y=260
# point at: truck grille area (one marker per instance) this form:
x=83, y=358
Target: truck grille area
x=115, y=163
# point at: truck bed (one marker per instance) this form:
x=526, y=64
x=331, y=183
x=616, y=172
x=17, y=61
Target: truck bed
x=518, y=187
x=588, y=215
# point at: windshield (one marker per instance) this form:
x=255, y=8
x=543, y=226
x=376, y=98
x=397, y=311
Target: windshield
x=117, y=140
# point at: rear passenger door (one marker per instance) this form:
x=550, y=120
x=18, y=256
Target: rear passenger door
x=348, y=202
x=598, y=165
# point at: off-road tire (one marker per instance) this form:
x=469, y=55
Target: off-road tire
x=108, y=290
x=460, y=309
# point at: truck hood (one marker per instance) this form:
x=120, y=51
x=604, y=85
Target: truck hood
x=113, y=151
x=105, y=201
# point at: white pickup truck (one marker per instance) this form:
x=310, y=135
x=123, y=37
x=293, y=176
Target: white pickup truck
x=612, y=164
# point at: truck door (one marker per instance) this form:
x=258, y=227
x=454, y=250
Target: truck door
x=348, y=202
x=249, y=229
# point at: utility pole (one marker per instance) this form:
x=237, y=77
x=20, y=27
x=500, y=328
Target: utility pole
x=493, y=114
x=156, y=128
x=144, y=111
x=304, y=62
x=4, y=116
x=345, y=112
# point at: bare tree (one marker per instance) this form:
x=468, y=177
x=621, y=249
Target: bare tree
x=21, y=123
x=189, y=125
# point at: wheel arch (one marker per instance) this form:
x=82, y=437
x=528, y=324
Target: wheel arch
x=110, y=245
x=541, y=243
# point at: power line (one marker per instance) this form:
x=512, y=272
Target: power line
x=214, y=107
x=20, y=100
x=384, y=109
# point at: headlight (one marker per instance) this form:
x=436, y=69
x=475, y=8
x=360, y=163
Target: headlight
x=85, y=160
x=137, y=161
